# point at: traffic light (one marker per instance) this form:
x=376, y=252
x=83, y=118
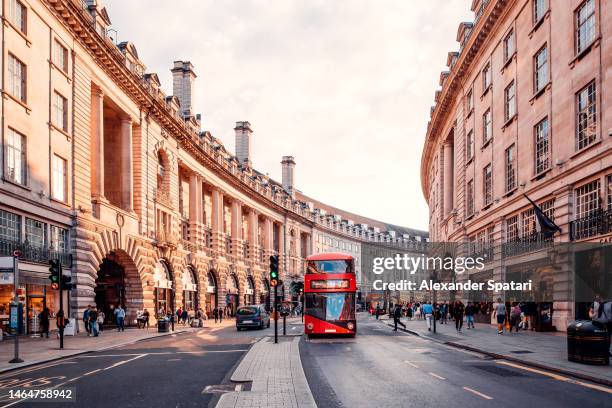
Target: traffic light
x=67, y=282
x=56, y=273
x=274, y=270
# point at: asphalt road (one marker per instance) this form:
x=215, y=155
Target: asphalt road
x=382, y=368
x=179, y=370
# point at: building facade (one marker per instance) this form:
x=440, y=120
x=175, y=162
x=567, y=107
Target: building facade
x=524, y=109
x=103, y=170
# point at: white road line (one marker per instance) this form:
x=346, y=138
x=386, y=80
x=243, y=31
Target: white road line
x=480, y=394
x=92, y=372
x=437, y=376
x=125, y=361
x=411, y=364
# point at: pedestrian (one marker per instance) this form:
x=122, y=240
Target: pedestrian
x=397, y=314
x=44, y=321
x=601, y=312
x=100, y=320
x=530, y=312
x=86, y=320
x=443, y=311
x=409, y=312
x=184, y=316
x=216, y=314
x=470, y=309
x=220, y=315
x=458, y=310
x=428, y=312
x=120, y=317
x=500, y=312
x=93, y=321
x=377, y=312
x=515, y=317
x=179, y=313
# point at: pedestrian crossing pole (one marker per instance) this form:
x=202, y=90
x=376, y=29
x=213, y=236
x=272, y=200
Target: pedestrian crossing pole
x=275, y=314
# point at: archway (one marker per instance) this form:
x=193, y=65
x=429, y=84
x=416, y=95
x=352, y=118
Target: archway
x=232, y=299
x=249, y=292
x=163, y=289
x=212, y=301
x=190, y=289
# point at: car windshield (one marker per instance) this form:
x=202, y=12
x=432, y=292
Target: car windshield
x=247, y=311
x=337, y=266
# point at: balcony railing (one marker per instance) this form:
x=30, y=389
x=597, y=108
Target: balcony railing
x=598, y=223
x=481, y=250
x=529, y=243
x=35, y=254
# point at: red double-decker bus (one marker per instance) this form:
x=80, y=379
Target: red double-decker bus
x=329, y=288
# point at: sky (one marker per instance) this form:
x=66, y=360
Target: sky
x=344, y=86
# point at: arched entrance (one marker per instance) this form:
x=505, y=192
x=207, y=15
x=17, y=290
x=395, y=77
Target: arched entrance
x=163, y=290
x=190, y=289
x=232, y=300
x=264, y=298
x=249, y=293
x=212, y=301
x=110, y=289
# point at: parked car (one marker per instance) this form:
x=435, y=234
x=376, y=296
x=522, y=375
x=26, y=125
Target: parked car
x=254, y=316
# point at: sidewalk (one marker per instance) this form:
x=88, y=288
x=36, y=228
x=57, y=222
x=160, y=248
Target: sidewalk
x=38, y=350
x=277, y=377
x=543, y=350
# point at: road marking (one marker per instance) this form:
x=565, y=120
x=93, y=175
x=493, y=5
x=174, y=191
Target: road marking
x=480, y=394
x=437, y=376
x=91, y=372
x=125, y=361
x=557, y=377
x=174, y=359
x=411, y=364
x=238, y=387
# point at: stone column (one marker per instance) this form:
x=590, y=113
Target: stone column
x=195, y=208
x=253, y=224
x=267, y=235
x=237, y=228
x=217, y=219
x=126, y=164
x=448, y=178
x=97, y=144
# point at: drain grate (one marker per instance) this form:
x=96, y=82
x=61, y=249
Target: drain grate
x=521, y=351
x=224, y=388
x=502, y=372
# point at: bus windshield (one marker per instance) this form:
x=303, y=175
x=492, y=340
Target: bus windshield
x=336, y=266
x=331, y=306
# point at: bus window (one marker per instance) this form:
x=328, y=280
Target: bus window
x=337, y=266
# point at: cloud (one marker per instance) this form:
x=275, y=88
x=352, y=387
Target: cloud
x=345, y=86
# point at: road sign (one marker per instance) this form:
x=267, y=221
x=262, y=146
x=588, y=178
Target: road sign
x=6, y=264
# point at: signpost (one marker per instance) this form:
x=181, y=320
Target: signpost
x=6, y=264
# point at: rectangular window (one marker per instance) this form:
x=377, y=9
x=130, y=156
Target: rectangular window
x=548, y=208
x=487, y=185
x=59, y=239
x=487, y=126
x=16, y=163
x=510, y=169
x=58, y=190
x=540, y=69
x=10, y=226
x=585, y=25
x=609, y=186
x=60, y=111
x=528, y=223
x=17, y=78
x=512, y=229
x=469, y=100
x=509, y=46
x=60, y=56
x=542, y=146
x=587, y=199
x=470, y=198
x=36, y=232
x=486, y=78
x=509, y=101
x=18, y=15
x=469, y=146
x=586, y=116
x=539, y=9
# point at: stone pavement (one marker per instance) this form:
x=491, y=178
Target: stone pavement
x=277, y=376
x=40, y=350
x=544, y=350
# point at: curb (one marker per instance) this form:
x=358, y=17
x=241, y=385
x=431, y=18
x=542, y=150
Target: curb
x=556, y=370
x=79, y=353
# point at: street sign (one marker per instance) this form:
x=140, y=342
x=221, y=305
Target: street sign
x=7, y=278
x=6, y=264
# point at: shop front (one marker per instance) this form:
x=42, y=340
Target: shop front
x=232, y=298
x=211, y=290
x=190, y=289
x=264, y=297
x=249, y=292
x=163, y=290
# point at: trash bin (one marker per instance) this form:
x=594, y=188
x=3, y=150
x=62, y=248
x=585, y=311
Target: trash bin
x=588, y=342
x=163, y=326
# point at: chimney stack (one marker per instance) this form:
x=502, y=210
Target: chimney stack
x=183, y=78
x=243, y=143
x=288, y=166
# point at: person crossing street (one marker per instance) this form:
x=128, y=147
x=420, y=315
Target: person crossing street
x=397, y=314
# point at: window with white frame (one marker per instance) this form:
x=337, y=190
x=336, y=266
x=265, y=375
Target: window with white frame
x=469, y=100
x=510, y=168
x=587, y=199
x=510, y=101
x=469, y=146
x=60, y=111
x=585, y=25
x=586, y=116
x=60, y=56
x=487, y=185
x=59, y=239
x=528, y=222
x=470, y=198
x=540, y=68
x=58, y=190
x=487, y=126
x=512, y=229
x=486, y=77
x=36, y=233
x=539, y=9
x=18, y=15
x=509, y=45
x=15, y=159
x=548, y=208
x=542, y=146
x=10, y=226
x=17, y=78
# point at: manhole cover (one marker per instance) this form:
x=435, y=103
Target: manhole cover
x=502, y=372
x=521, y=351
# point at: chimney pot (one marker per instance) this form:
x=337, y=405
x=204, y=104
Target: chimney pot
x=243, y=142
x=183, y=78
x=288, y=164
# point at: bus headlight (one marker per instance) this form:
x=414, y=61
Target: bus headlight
x=350, y=326
x=310, y=326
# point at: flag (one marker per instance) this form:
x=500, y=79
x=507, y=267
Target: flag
x=547, y=226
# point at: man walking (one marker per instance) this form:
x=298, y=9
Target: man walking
x=377, y=312
x=397, y=314
x=44, y=322
x=469, y=315
x=428, y=312
x=93, y=321
x=458, y=310
x=216, y=314
x=500, y=312
x=86, y=320
x=120, y=316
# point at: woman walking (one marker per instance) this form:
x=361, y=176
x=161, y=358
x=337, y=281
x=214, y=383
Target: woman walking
x=500, y=312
